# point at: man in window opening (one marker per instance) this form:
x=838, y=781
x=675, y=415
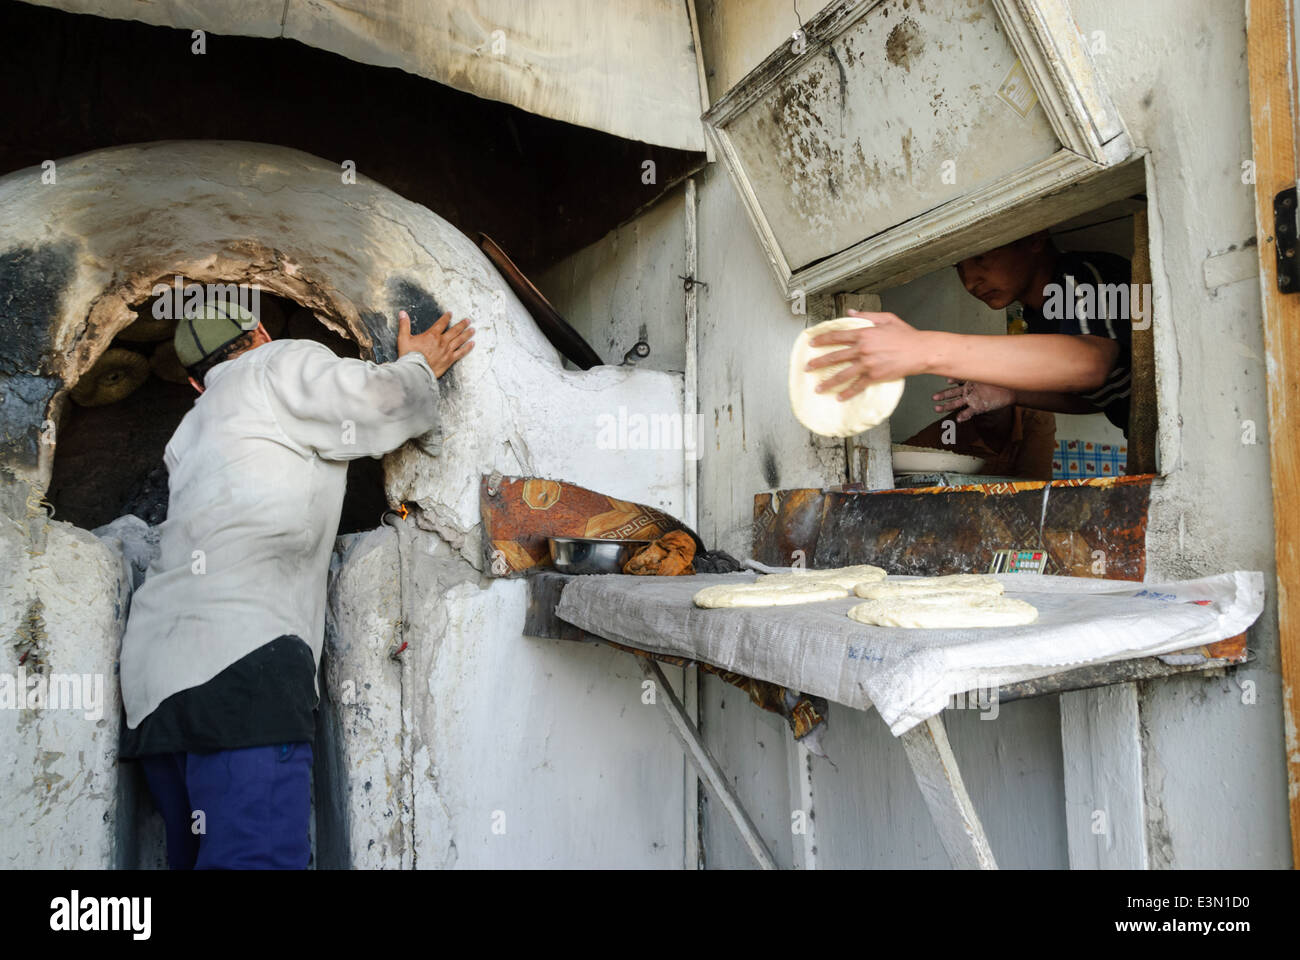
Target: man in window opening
x=220, y=656
x=1003, y=390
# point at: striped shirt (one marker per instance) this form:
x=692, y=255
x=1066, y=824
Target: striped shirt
x=1090, y=295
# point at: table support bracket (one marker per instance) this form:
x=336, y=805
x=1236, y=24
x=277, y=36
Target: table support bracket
x=699, y=756
x=935, y=769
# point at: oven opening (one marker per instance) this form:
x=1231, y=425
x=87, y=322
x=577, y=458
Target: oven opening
x=121, y=413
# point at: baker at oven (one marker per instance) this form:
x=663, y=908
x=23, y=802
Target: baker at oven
x=1004, y=390
x=222, y=646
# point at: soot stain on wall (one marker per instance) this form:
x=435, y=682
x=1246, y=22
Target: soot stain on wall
x=383, y=349
x=24, y=399
x=416, y=301
x=32, y=282
x=423, y=309
x=403, y=294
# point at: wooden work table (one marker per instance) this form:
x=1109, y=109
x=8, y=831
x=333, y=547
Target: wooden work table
x=927, y=745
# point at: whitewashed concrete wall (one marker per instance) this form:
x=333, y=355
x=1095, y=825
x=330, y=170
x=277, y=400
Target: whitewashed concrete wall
x=617, y=291
x=489, y=749
x=749, y=442
x=1216, y=782
x=66, y=592
x=737, y=34
x=735, y=444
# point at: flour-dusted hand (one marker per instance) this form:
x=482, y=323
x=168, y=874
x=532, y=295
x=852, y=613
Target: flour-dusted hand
x=442, y=344
x=971, y=399
x=825, y=413
x=890, y=349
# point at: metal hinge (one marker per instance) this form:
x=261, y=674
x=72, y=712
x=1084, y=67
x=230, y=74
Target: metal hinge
x=1284, y=235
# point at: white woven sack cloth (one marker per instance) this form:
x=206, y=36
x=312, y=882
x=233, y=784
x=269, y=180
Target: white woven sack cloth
x=908, y=674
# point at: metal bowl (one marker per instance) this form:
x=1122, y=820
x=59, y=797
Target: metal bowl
x=587, y=555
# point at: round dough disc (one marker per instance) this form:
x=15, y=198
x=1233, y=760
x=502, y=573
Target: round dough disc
x=761, y=595
x=846, y=577
x=945, y=611
x=976, y=583
x=825, y=413
x=115, y=375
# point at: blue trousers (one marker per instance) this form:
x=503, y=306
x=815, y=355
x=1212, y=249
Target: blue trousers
x=246, y=809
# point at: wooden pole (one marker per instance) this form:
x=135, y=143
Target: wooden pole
x=1269, y=32
x=1142, y=415
x=691, y=498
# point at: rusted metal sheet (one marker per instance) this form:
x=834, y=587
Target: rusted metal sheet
x=1233, y=649
x=519, y=513
x=785, y=522
x=1088, y=528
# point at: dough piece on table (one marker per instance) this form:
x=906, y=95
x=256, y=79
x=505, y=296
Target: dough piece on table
x=976, y=583
x=846, y=577
x=768, y=595
x=825, y=413
x=945, y=611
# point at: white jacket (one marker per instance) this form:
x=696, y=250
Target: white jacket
x=257, y=472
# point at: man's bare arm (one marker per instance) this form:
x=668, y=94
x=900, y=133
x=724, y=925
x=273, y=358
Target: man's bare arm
x=1053, y=363
x=1032, y=364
